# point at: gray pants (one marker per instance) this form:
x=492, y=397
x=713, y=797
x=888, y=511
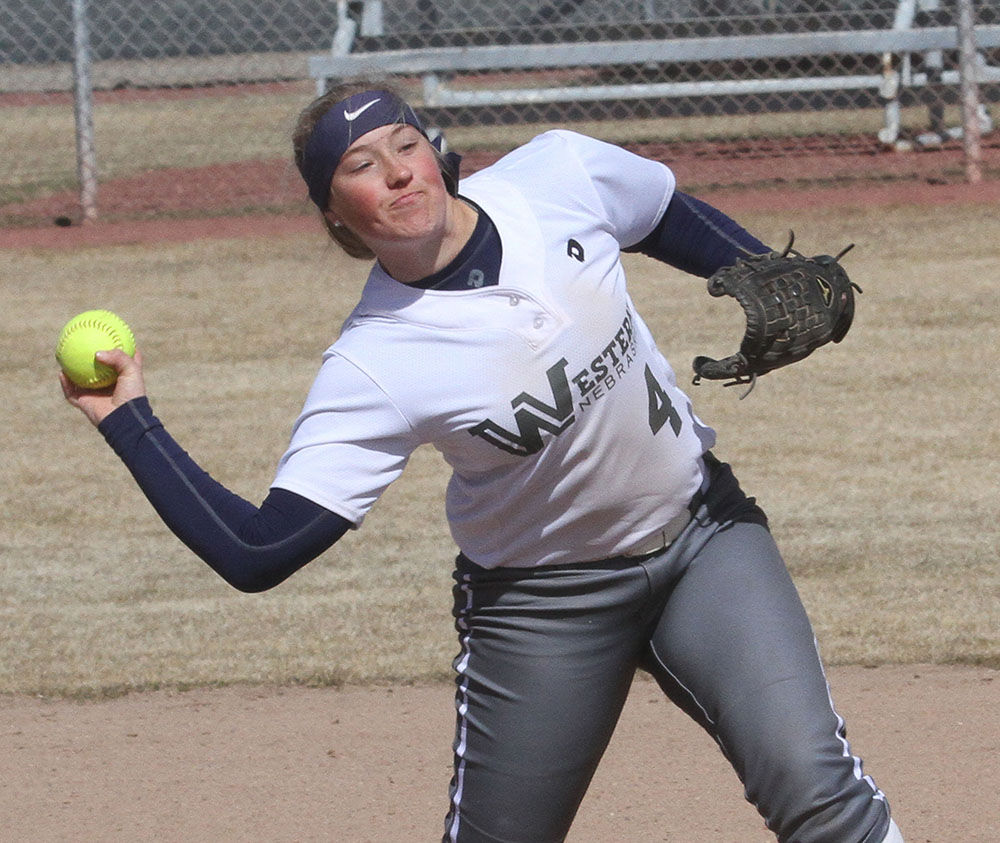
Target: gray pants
x=548, y=656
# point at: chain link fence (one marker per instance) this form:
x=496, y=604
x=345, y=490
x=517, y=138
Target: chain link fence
x=193, y=101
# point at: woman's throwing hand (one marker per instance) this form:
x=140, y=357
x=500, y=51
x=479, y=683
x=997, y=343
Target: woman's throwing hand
x=97, y=404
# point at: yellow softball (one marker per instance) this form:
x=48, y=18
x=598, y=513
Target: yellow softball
x=82, y=337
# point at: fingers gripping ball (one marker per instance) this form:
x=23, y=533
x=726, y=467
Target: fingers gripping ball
x=82, y=337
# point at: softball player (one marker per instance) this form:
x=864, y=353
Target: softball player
x=598, y=532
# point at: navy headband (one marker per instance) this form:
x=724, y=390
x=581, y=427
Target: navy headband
x=344, y=123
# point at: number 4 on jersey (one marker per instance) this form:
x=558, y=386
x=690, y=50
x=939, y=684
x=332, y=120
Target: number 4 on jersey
x=660, y=407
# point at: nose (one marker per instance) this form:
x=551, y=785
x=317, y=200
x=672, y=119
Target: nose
x=397, y=173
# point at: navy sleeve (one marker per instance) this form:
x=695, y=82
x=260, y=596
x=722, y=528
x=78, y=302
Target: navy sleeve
x=697, y=238
x=252, y=548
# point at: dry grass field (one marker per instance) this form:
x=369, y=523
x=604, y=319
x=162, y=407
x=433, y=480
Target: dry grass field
x=876, y=460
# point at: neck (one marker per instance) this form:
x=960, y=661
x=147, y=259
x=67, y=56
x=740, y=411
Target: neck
x=409, y=262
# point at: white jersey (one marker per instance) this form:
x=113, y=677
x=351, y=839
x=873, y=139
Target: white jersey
x=567, y=435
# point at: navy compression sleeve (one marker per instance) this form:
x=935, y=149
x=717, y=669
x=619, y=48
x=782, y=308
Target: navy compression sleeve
x=697, y=238
x=252, y=548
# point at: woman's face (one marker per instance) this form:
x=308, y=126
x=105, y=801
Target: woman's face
x=388, y=188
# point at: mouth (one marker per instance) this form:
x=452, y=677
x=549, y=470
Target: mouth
x=406, y=200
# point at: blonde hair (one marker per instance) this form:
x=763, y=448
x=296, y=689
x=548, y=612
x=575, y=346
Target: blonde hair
x=304, y=126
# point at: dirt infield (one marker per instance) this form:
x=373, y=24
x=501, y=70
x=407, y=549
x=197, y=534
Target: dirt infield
x=373, y=764
x=102, y=233
x=255, y=197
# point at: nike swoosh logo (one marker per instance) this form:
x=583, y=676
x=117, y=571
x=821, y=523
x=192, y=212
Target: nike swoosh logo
x=350, y=116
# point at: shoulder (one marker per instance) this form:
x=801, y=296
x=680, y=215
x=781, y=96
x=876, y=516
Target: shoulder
x=557, y=143
x=549, y=166
x=564, y=173
x=560, y=155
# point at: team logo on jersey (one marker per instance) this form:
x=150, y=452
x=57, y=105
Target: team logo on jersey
x=574, y=250
x=590, y=385
x=532, y=416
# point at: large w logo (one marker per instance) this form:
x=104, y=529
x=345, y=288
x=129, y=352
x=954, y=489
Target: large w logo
x=553, y=419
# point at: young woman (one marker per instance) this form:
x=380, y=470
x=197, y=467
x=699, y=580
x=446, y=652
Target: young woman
x=598, y=533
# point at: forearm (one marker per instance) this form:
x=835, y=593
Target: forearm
x=251, y=548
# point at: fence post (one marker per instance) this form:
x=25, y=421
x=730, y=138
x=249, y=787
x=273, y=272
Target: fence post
x=968, y=81
x=83, y=99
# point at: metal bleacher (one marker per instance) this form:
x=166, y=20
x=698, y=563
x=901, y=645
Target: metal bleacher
x=885, y=65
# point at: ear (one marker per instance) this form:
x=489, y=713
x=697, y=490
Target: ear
x=332, y=218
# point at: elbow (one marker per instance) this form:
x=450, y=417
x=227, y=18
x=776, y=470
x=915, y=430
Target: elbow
x=252, y=582
x=254, y=573
x=243, y=575
x=250, y=586
x=255, y=568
